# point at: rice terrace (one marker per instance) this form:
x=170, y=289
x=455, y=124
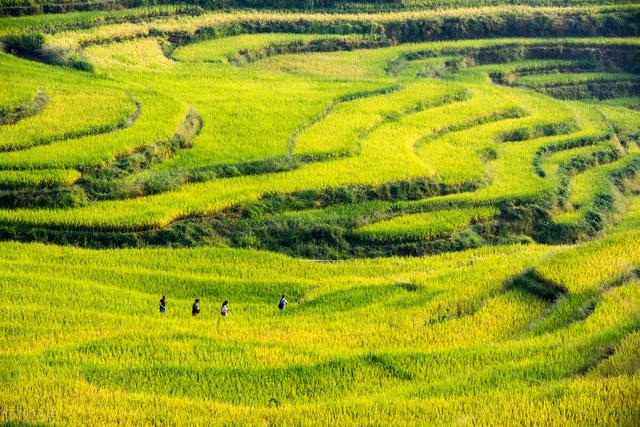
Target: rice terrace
x=417, y=212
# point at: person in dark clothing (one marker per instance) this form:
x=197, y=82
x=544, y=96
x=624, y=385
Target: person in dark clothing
x=163, y=304
x=282, y=304
x=195, y=310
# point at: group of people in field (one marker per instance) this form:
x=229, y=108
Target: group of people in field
x=224, y=310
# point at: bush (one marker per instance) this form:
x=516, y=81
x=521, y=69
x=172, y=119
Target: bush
x=47, y=196
x=79, y=63
x=52, y=55
x=28, y=44
x=468, y=239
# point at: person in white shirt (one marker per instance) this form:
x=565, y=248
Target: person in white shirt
x=224, y=310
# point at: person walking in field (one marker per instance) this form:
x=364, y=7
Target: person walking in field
x=195, y=309
x=225, y=309
x=283, y=304
x=163, y=304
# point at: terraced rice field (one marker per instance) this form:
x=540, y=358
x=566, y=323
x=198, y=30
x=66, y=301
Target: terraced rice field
x=451, y=208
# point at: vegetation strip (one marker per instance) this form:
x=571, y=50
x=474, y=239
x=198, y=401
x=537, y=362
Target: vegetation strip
x=24, y=110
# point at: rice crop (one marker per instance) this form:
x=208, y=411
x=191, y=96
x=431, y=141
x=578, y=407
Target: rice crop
x=448, y=199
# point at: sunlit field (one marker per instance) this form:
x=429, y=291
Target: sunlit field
x=448, y=196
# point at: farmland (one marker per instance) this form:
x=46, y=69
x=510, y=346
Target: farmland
x=449, y=198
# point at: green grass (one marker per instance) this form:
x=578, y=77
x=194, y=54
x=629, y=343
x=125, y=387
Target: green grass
x=567, y=78
x=101, y=148
x=600, y=265
x=304, y=350
x=61, y=21
x=427, y=226
x=453, y=151
x=221, y=50
x=36, y=178
x=352, y=157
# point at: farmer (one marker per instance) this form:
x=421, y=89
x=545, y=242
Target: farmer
x=195, y=310
x=224, y=310
x=283, y=303
x=163, y=304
